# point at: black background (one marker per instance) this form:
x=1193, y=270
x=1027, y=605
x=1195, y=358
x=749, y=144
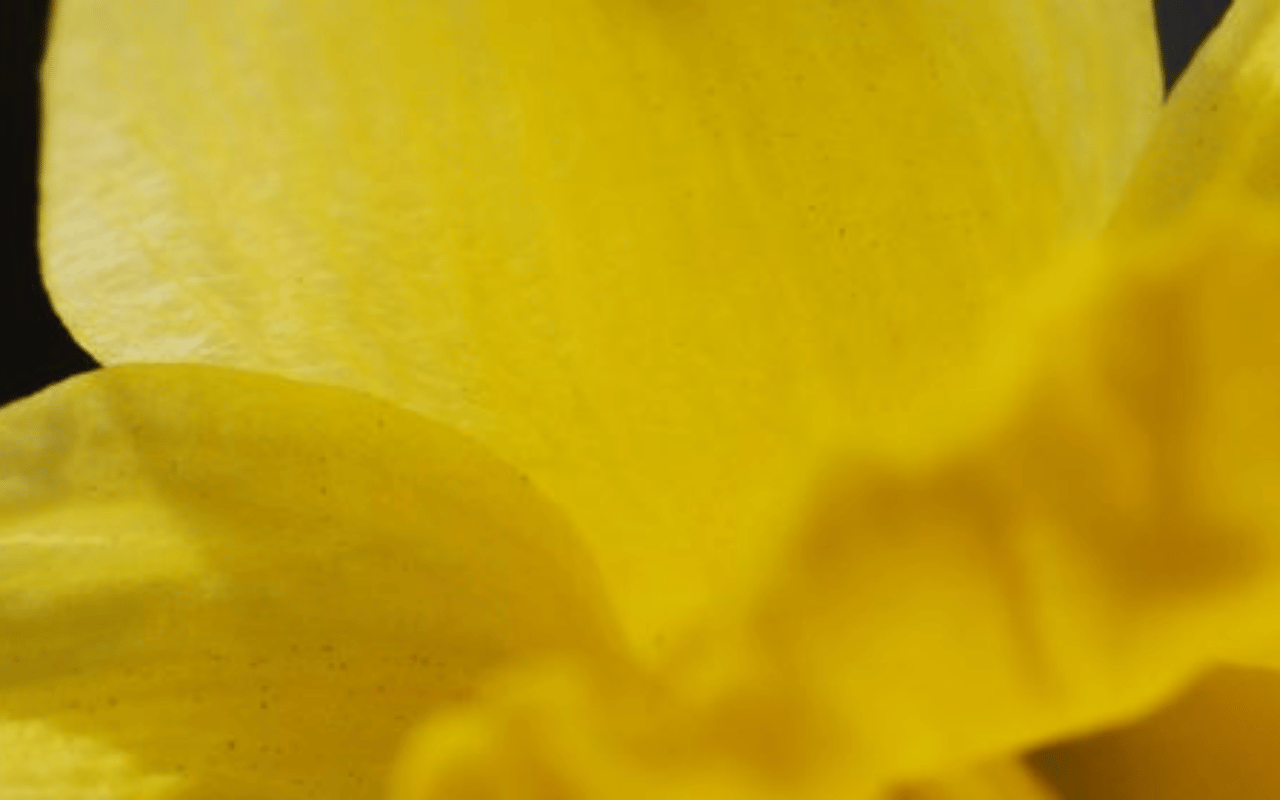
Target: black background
x=35, y=349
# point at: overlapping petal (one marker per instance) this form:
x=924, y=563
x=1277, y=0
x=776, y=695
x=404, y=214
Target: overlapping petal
x=1218, y=134
x=1215, y=143
x=676, y=263
x=661, y=256
x=233, y=585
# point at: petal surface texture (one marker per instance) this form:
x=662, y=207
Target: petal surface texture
x=660, y=256
x=216, y=584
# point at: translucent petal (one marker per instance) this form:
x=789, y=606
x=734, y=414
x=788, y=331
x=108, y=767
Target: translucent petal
x=241, y=586
x=660, y=256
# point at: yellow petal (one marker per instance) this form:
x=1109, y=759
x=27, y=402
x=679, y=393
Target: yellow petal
x=1219, y=131
x=1085, y=555
x=249, y=587
x=1218, y=740
x=659, y=256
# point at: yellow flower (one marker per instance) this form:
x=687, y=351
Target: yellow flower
x=636, y=398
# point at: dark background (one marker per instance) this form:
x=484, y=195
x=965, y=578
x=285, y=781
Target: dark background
x=35, y=349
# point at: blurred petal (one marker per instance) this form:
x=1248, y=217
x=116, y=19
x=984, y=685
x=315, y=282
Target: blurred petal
x=1080, y=560
x=1111, y=532
x=249, y=587
x=1220, y=133
x=659, y=256
x=1218, y=740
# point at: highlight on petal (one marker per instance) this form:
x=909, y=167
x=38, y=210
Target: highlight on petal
x=660, y=256
x=1217, y=740
x=1219, y=131
x=248, y=587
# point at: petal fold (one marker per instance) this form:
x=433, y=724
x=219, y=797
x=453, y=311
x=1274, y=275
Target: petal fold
x=661, y=257
x=235, y=585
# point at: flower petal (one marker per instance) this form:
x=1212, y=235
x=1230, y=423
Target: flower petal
x=659, y=256
x=1109, y=533
x=1218, y=740
x=251, y=587
x=1218, y=134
